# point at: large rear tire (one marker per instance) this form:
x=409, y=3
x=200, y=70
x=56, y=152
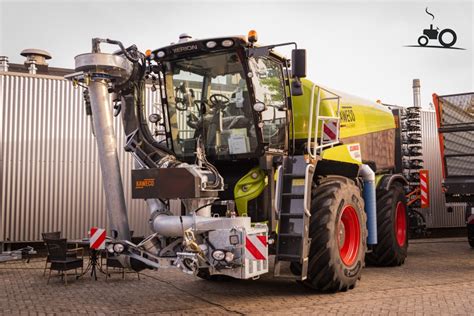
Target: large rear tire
x=470, y=234
x=392, y=227
x=338, y=235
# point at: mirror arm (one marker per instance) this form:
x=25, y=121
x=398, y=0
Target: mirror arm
x=265, y=50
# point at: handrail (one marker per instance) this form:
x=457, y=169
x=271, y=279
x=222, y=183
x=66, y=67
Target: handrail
x=313, y=150
x=310, y=123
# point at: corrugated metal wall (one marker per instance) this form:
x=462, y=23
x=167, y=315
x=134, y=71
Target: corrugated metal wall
x=49, y=169
x=439, y=214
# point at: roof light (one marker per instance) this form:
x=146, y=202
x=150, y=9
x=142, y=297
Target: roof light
x=160, y=54
x=148, y=53
x=252, y=37
x=227, y=43
x=211, y=44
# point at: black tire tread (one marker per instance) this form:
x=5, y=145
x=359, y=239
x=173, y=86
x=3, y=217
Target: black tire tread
x=322, y=274
x=470, y=235
x=387, y=253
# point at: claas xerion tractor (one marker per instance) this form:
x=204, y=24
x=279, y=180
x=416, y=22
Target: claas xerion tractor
x=256, y=159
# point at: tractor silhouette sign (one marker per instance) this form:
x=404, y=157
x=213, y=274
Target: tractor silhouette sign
x=442, y=36
x=446, y=37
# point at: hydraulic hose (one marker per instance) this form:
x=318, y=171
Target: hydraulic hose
x=368, y=176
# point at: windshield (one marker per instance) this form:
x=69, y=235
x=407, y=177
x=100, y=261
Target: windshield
x=208, y=98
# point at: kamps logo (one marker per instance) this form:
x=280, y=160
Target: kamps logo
x=445, y=38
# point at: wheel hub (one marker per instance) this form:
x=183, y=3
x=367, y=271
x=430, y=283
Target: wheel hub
x=342, y=234
x=348, y=235
x=400, y=224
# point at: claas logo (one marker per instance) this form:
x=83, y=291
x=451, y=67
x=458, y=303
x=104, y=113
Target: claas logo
x=145, y=183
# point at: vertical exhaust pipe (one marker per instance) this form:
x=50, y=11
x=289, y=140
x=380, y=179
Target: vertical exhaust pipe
x=416, y=93
x=4, y=63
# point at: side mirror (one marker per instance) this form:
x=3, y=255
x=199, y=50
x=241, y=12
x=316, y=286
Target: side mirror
x=298, y=63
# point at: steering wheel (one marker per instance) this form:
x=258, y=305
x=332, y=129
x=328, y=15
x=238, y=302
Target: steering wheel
x=219, y=100
x=182, y=99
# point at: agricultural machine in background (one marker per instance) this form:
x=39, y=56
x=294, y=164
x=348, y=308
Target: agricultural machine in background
x=455, y=118
x=263, y=162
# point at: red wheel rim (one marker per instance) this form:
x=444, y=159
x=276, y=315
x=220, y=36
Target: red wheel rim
x=348, y=237
x=401, y=224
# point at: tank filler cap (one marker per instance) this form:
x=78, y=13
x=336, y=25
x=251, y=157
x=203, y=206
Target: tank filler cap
x=184, y=37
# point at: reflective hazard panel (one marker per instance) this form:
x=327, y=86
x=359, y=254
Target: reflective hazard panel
x=424, y=188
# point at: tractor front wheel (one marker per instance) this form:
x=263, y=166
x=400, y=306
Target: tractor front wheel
x=392, y=224
x=338, y=235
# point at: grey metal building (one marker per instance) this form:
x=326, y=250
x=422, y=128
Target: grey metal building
x=49, y=170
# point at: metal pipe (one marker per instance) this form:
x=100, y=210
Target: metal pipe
x=4, y=63
x=416, y=93
x=368, y=175
x=109, y=163
x=174, y=226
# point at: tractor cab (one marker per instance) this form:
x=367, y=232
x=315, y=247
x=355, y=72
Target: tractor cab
x=223, y=93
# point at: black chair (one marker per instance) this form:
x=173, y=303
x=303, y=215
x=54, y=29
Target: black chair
x=57, y=235
x=49, y=235
x=60, y=260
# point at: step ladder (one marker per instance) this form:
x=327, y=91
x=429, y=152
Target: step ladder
x=294, y=184
x=293, y=197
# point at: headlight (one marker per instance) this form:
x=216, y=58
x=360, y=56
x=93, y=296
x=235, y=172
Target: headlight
x=211, y=44
x=160, y=54
x=227, y=43
x=110, y=248
x=229, y=256
x=218, y=255
x=119, y=248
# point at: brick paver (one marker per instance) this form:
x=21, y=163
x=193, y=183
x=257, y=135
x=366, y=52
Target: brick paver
x=437, y=278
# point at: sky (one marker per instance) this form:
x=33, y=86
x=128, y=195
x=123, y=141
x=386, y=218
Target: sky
x=354, y=46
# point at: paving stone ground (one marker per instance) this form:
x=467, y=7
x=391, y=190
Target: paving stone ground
x=437, y=279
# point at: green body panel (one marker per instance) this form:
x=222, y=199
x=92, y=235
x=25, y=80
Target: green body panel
x=358, y=116
x=248, y=188
x=342, y=153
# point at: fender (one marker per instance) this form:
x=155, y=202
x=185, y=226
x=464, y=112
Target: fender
x=386, y=180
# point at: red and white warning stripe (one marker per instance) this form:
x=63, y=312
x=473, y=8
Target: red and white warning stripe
x=424, y=188
x=330, y=130
x=97, y=240
x=256, y=246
